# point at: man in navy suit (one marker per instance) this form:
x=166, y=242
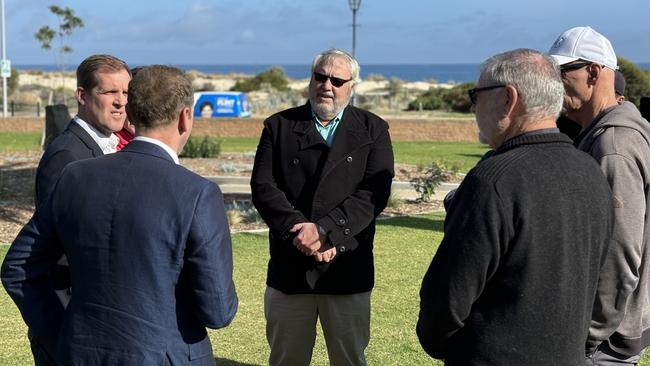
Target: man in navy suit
x=147, y=242
x=102, y=86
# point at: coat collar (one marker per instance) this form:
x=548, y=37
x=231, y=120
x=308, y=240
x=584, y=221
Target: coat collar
x=351, y=134
x=147, y=148
x=85, y=138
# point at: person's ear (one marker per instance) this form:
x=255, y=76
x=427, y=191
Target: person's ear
x=510, y=102
x=594, y=71
x=80, y=95
x=185, y=121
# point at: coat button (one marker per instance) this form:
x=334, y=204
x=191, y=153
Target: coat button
x=342, y=249
x=348, y=159
x=295, y=161
x=346, y=231
x=341, y=222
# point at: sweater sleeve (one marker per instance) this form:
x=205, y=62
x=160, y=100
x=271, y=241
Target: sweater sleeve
x=476, y=231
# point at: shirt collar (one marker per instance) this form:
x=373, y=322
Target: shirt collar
x=168, y=149
x=108, y=145
x=332, y=122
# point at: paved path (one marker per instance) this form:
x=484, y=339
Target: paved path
x=403, y=190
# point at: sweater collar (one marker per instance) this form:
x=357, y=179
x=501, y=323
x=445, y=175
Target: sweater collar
x=534, y=138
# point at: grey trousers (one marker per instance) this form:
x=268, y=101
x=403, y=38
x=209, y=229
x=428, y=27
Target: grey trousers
x=605, y=356
x=291, y=327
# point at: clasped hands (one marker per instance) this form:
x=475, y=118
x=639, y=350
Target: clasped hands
x=311, y=242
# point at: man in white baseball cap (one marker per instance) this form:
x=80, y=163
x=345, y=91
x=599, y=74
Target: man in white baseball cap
x=618, y=138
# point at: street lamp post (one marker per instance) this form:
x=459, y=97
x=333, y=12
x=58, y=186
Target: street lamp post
x=354, y=6
x=4, y=57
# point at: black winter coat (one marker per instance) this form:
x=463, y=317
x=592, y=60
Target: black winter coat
x=343, y=188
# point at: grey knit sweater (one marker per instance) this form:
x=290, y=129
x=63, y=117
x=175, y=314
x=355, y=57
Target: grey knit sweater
x=514, y=278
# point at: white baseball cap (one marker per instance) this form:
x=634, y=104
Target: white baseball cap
x=583, y=43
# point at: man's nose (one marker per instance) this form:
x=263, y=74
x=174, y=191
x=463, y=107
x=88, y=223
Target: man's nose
x=121, y=99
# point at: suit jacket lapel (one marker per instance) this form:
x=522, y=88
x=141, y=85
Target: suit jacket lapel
x=85, y=138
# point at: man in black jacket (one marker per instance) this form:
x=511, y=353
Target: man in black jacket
x=322, y=174
x=514, y=279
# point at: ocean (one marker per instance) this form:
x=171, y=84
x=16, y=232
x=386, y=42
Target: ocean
x=457, y=73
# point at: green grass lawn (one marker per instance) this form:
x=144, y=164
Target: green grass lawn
x=395, y=300
x=19, y=141
x=465, y=154
x=403, y=249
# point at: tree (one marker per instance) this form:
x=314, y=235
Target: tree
x=45, y=35
x=637, y=81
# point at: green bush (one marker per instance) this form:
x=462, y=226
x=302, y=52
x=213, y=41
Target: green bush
x=429, y=100
x=457, y=99
x=637, y=81
x=273, y=77
x=393, y=201
x=453, y=100
x=197, y=147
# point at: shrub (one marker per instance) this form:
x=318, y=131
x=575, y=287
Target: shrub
x=457, y=99
x=201, y=148
x=273, y=77
x=393, y=201
x=453, y=100
x=429, y=100
x=206, y=87
x=430, y=178
x=637, y=81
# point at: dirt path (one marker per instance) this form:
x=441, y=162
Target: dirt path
x=401, y=129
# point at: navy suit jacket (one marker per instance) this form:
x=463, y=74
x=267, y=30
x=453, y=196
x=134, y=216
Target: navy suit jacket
x=150, y=256
x=73, y=144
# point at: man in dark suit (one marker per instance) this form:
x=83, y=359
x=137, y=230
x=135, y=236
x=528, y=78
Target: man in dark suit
x=147, y=242
x=321, y=176
x=102, y=86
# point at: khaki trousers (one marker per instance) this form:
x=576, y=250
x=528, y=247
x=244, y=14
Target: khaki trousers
x=291, y=327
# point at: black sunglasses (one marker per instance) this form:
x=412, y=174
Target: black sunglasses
x=337, y=82
x=575, y=66
x=473, y=93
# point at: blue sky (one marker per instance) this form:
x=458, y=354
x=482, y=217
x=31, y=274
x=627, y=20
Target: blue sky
x=293, y=31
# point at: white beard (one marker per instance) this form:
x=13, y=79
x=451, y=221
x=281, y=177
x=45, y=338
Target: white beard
x=327, y=111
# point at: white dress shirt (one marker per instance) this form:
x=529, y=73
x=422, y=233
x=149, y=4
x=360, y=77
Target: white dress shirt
x=107, y=144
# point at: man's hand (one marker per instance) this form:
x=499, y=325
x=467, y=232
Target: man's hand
x=308, y=240
x=326, y=254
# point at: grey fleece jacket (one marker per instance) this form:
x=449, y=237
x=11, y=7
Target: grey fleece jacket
x=620, y=141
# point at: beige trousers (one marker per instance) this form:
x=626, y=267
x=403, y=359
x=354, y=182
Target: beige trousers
x=291, y=327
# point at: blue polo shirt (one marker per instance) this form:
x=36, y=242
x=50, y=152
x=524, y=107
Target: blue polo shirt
x=328, y=131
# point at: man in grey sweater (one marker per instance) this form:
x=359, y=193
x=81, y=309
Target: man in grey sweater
x=618, y=138
x=503, y=289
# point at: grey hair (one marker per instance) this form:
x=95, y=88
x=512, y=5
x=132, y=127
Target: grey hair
x=535, y=75
x=328, y=55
